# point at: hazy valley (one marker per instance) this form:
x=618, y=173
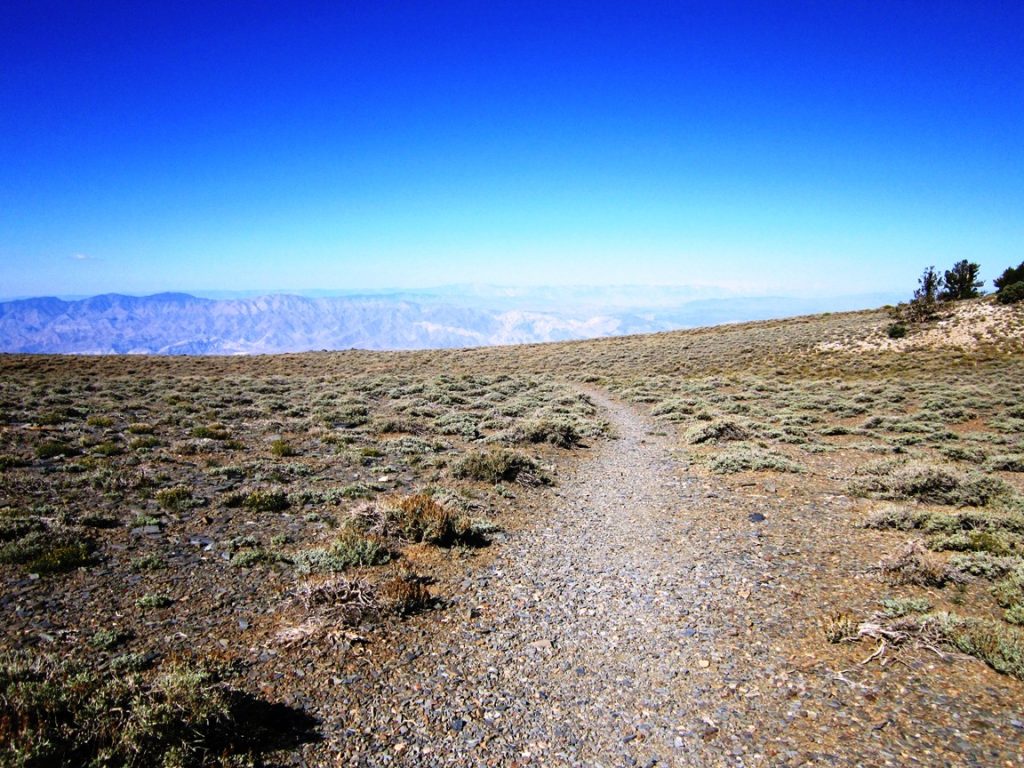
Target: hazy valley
x=175, y=323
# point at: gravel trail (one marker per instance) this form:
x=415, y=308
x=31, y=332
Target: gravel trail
x=649, y=616
x=574, y=647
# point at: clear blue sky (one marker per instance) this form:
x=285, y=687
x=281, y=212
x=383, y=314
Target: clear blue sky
x=801, y=147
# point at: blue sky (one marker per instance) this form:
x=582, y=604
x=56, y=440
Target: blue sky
x=777, y=147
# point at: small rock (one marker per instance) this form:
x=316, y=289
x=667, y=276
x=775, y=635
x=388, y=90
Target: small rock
x=243, y=624
x=756, y=517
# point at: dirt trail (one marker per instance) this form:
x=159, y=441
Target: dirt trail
x=649, y=617
x=575, y=646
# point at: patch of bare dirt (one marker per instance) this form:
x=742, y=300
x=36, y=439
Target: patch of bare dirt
x=963, y=326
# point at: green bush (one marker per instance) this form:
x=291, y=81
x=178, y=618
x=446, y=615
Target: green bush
x=266, y=501
x=282, y=449
x=14, y=528
x=246, y=558
x=897, y=331
x=1001, y=647
x=41, y=551
x=974, y=541
x=176, y=499
x=108, y=639
x=62, y=557
x=51, y=449
x=499, y=466
x=211, y=432
x=55, y=712
x=717, y=432
x=1006, y=463
x=348, y=550
x=558, y=432
x=154, y=601
x=1011, y=294
x=9, y=461
x=930, y=484
x=746, y=458
x=895, y=607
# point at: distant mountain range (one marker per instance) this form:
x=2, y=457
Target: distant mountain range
x=181, y=324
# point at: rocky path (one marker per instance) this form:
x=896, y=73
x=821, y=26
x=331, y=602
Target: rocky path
x=577, y=643
x=648, y=617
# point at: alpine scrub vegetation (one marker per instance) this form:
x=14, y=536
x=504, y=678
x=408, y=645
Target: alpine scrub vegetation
x=321, y=496
x=142, y=492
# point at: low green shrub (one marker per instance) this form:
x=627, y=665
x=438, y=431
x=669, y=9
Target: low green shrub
x=974, y=541
x=929, y=483
x=717, y=432
x=51, y=449
x=896, y=331
x=558, y=432
x=895, y=607
x=751, y=459
x=42, y=551
x=1011, y=294
x=266, y=501
x=149, y=601
x=1006, y=463
x=56, y=712
x=176, y=499
x=499, y=465
x=283, y=449
x=999, y=646
x=10, y=461
x=348, y=550
x=247, y=558
x=211, y=432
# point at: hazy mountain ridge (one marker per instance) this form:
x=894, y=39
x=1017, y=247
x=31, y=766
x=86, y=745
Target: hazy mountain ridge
x=178, y=323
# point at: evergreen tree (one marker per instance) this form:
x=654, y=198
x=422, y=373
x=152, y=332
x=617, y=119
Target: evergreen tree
x=928, y=286
x=1009, y=277
x=961, y=282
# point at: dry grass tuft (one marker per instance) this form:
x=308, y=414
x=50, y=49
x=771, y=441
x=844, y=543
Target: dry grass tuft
x=406, y=594
x=914, y=564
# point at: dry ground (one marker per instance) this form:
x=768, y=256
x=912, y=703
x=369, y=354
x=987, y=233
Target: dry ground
x=313, y=530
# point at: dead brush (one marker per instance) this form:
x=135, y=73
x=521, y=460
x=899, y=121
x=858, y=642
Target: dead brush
x=888, y=633
x=997, y=645
x=369, y=517
x=420, y=518
x=839, y=627
x=717, y=432
x=914, y=564
x=334, y=593
x=327, y=604
x=406, y=594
